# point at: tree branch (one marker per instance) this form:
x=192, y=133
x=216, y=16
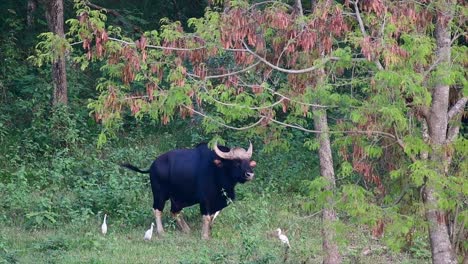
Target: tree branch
x=223, y=124
x=271, y=65
x=363, y=30
x=457, y=108
x=226, y=74
x=156, y=47
x=298, y=102
x=359, y=19
x=402, y=144
x=422, y=111
x=268, y=2
x=114, y=13
x=385, y=134
x=298, y=7
x=286, y=97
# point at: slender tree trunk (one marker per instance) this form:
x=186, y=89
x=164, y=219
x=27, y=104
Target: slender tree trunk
x=54, y=16
x=442, y=252
x=330, y=248
x=32, y=6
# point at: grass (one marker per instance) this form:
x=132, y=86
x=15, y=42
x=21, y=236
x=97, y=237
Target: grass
x=241, y=234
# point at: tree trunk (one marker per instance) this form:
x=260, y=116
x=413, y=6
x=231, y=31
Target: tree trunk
x=54, y=16
x=442, y=252
x=32, y=6
x=330, y=248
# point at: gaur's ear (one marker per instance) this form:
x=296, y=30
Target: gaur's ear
x=218, y=163
x=253, y=163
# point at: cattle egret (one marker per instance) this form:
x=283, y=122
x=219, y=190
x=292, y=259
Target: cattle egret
x=214, y=217
x=104, y=226
x=282, y=237
x=149, y=233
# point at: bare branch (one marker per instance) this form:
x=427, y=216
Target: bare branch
x=222, y=124
x=402, y=144
x=248, y=107
x=108, y=10
x=298, y=7
x=431, y=68
x=115, y=13
x=297, y=102
x=363, y=30
x=457, y=108
x=269, y=64
x=226, y=74
x=286, y=97
x=456, y=37
x=382, y=28
x=76, y=43
x=452, y=132
x=385, y=134
x=294, y=126
x=398, y=200
x=453, y=117
x=268, y=2
x=422, y=110
x=359, y=19
x=156, y=47
x=244, y=106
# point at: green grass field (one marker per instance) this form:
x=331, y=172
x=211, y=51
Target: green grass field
x=241, y=234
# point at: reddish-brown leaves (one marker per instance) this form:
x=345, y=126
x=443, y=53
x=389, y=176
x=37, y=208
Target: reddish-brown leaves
x=363, y=167
x=278, y=19
x=132, y=64
x=200, y=70
x=285, y=104
x=150, y=87
x=369, y=48
x=378, y=230
x=141, y=44
x=184, y=112
x=257, y=89
x=376, y=6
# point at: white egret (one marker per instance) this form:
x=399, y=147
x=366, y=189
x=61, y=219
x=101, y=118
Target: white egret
x=149, y=233
x=282, y=237
x=214, y=217
x=104, y=225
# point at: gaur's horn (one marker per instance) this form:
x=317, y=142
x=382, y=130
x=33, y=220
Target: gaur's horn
x=249, y=151
x=224, y=155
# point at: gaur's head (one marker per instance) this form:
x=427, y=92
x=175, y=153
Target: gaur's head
x=237, y=161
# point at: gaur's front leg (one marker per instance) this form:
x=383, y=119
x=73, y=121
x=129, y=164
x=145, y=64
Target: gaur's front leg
x=206, y=226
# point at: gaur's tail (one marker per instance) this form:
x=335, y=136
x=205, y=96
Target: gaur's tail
x=133, y=168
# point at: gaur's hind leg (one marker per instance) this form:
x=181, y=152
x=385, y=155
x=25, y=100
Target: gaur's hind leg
x=181, y=222
x=176, y=212
x=159, y=226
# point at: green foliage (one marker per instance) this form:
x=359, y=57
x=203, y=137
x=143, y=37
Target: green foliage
x=49, y=49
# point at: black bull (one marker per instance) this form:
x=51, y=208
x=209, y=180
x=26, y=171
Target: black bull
x=197, y=176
